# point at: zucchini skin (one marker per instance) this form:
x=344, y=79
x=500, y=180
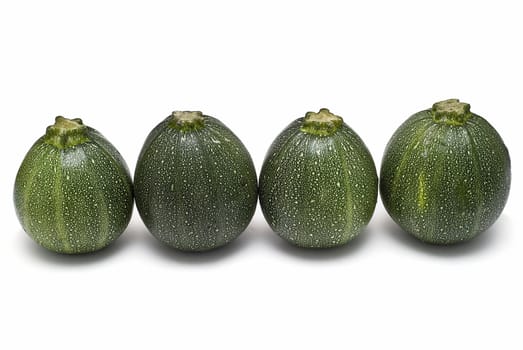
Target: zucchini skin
x=74, y=200
x=196, y=190
x=318, y=191
x=443, y=183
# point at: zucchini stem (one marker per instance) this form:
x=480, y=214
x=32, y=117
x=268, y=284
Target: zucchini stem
x=451, y=112
x=323, y=123
x=187, y=120
x=66, y=133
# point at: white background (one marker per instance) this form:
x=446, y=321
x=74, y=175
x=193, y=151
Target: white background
x=124, y=66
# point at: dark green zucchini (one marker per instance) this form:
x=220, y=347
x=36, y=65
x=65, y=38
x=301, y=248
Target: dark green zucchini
x=445, y=175
x=196, y=186
x=73, y=191
x=318, y=183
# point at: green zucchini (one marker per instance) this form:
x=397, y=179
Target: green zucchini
x=445, y=175
x=318, y=183
x=73, y=191
x=195, y=183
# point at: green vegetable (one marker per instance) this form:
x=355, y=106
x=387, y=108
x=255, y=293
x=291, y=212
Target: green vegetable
x=318, y=184
x=73, y=191
x=445, y=175
x=195, y=183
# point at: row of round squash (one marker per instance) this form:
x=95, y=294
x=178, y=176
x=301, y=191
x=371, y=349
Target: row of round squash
x=445, y=177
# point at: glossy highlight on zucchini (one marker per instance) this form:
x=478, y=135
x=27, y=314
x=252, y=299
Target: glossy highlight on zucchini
x=445, y=174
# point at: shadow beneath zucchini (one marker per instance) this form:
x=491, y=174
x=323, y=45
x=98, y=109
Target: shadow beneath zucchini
x=204, y=257
x=48, y=256
x=279, y=244
x=484, y=241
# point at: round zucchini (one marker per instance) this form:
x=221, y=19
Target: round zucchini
x=73, y=191
x=318, y=183
x=445, y=175
x=195, y=183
